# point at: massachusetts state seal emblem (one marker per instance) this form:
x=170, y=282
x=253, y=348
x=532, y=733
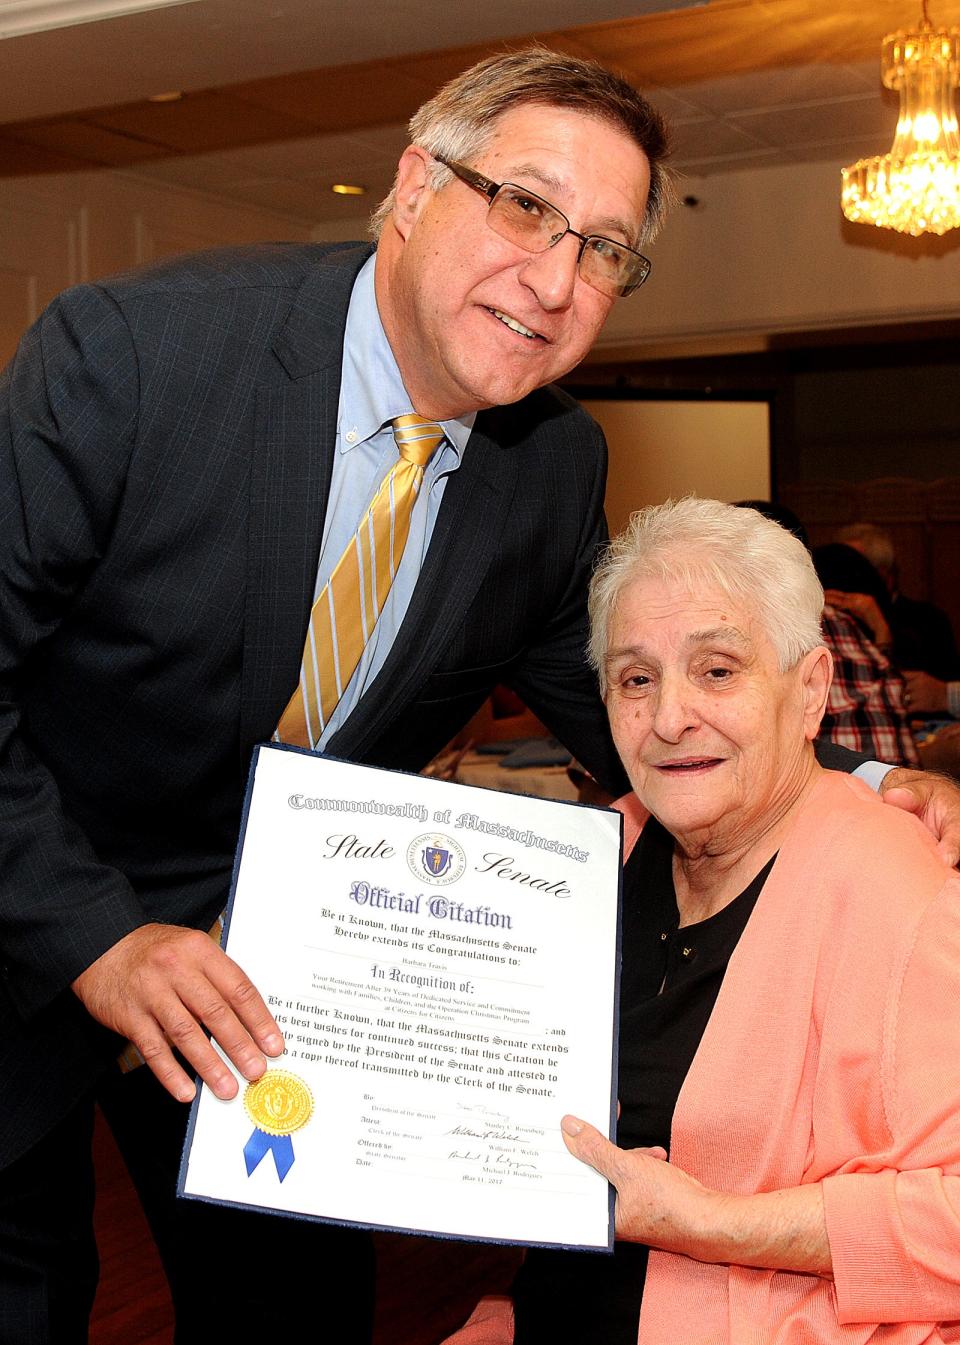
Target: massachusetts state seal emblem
x=436, y=859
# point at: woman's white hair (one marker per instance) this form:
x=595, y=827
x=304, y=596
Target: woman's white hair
x=705, y=544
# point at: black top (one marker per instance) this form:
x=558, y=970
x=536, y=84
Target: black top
x=669, y=984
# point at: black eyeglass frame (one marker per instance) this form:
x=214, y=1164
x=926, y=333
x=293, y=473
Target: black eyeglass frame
x=490, y=190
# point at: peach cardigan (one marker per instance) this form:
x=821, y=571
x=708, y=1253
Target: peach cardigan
x=833, y=1056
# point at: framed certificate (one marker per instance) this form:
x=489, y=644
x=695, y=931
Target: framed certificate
x=443, y=963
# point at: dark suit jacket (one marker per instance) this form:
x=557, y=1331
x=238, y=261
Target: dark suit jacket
x=923, y=639
x=165, y=452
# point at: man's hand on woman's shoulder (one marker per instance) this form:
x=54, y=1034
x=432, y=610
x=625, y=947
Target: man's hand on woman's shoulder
x=935, y=799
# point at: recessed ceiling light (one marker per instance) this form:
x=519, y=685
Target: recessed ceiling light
x=348, y=189
x=18, y=17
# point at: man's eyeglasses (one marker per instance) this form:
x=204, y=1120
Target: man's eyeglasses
x=522, y=217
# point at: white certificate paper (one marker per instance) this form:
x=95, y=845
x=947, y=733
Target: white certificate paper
x=443, y=963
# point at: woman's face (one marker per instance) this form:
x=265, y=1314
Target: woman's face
x=715, y=739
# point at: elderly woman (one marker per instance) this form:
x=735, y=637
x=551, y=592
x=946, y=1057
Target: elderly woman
x=790, y=986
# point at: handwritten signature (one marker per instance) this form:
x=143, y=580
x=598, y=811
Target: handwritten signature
x=494, y=1133
x=492, y=1160
x=483, y=1110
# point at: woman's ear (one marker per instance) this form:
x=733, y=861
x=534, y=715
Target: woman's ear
x=816, y=674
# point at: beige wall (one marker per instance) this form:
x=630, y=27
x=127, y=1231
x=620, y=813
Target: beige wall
x=769, y=251
x=765, y=251
x=659, y=450
x=59, y=229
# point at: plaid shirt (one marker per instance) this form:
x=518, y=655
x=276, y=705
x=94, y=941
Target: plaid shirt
x=865, y=706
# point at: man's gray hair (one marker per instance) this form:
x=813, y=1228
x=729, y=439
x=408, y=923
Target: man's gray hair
x=703, y=544
x=460, y=121
x=871, y=541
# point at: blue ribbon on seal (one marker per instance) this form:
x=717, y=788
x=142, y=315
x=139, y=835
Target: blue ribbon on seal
x=260, y=1144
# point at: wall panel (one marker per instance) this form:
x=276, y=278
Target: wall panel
x=57, y=230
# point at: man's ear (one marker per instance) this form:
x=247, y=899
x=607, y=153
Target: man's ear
x=412, y=188
x=816, y=674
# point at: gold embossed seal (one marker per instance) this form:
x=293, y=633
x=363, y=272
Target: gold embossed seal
x=279, y=1102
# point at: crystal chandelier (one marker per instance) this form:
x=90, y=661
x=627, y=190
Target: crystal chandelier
x=915, y=188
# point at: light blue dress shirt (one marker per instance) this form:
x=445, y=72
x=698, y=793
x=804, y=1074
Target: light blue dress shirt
x=872, y=773
x=371, y=395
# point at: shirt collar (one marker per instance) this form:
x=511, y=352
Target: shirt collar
x=371, y=389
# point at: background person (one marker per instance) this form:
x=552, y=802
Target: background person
x=788, y=992
x=928, y=695
x=923, y=637
x=865, y=709
x=851, y=583
x=939, y=733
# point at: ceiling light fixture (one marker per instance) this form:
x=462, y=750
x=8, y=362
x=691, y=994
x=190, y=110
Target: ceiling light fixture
x=19, y=17
x=915, y=188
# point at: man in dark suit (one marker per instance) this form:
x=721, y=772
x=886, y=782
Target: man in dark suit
x=178, y=449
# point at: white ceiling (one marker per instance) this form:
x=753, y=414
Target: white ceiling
x=836, y=112
x=771, y=116
x=213, y=42
x=722, y=122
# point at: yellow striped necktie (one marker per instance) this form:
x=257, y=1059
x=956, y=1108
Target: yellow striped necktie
x=350, y=603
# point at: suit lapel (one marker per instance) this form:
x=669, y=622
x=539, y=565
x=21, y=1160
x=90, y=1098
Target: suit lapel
x=476, y=506
x=294, y=441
